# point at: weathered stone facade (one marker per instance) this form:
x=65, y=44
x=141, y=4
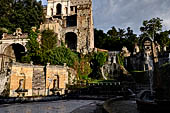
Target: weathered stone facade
x=37, y=80
x=10, y=47
x=56, y=79
x=18, y=72
x=72, y=20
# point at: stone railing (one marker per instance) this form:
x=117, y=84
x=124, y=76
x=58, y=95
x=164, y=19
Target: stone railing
x=11, y=36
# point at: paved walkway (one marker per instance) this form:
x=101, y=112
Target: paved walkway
x=113, y=106
x=61, y=106
x=95, y=107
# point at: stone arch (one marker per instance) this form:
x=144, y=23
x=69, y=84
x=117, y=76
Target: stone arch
x=13, y=52
x=71, y=40
x=58, y=8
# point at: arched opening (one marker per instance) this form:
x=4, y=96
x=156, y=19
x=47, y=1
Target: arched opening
x=51, y=11
x=13, y=52
x=71, y=40
x=56, y=83
x=58, y=9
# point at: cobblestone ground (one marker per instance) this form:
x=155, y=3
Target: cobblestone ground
x=61, y=106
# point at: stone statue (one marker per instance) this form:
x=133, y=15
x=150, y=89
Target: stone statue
x=157, y=46
x=125, y=52
x=21, y=85
x=136, y=49
x=164, y=48
x=18, y=33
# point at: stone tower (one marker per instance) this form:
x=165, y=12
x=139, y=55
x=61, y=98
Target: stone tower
x=72, y=20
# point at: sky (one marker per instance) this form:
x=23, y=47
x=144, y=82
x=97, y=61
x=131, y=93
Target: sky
x=128, y=13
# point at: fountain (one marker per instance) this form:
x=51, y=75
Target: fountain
x=56, y=88
x=149, y=63
x=21, y=90
x=111, y=68
x=155, y=99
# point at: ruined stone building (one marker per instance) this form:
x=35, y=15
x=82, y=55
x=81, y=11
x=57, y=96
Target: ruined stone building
x=27, y=79
x=72, y=21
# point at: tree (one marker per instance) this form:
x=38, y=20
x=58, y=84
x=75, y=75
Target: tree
x=115, y=39
x=152, y=26
x=163, y=38
x=64, y=55
x=121, y=33
x=131, y=39
x=100, y=39
x=48, y=52
x=5, y=13
x=112, y=33
x=34, y=52
x=98, y=61
x=20, y=13
x=49, y=40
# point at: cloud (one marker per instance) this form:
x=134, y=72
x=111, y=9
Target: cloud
x=128, y=13
x=124, y=13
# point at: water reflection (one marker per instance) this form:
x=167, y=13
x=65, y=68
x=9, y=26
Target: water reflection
x=61, y=106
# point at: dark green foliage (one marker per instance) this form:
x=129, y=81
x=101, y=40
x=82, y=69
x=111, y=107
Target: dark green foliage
x=98, y=61
x=64, y=55
x=99, y=58
x=20, y=14
x=3, y=30
x=100, y=39
x=83, y=66
x=49, y=40
x=114, y=40
x=152, y=26
x=130, y=39
x=120, y=59
x=33, y=49
x=112, y=32
x=48, y=52
x=163, y=38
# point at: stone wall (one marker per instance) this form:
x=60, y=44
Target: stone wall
x=56, y=79
x=18, y=72
x=3, y=82
x=85, y=26
x=37, y=80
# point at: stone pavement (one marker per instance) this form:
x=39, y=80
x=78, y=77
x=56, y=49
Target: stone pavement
x=121, y=106
x=95, y=107
x=60, y=106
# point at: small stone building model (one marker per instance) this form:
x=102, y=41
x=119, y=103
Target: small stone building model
x=72, y=21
